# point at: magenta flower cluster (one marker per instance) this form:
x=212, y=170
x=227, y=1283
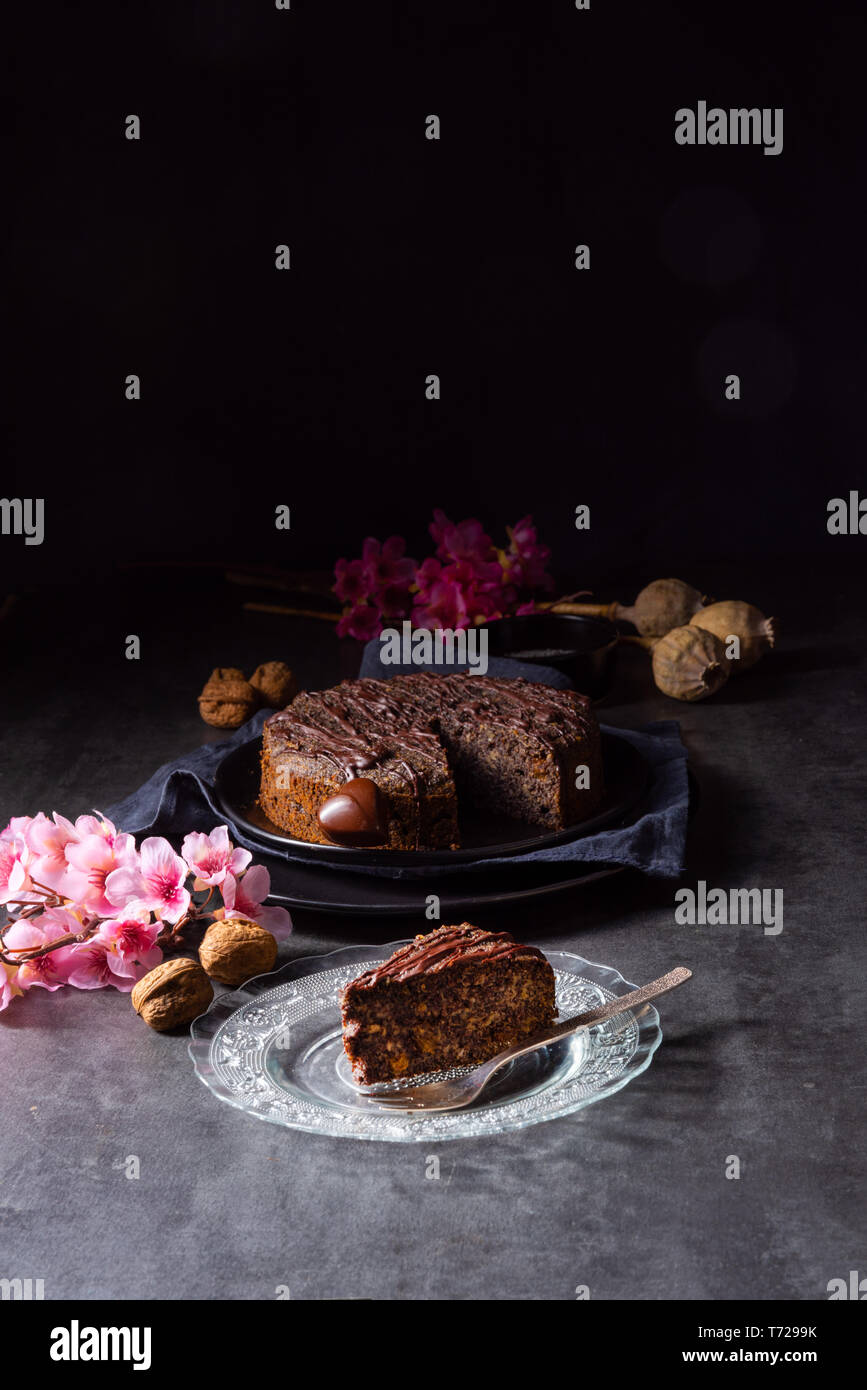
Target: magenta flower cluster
x=111, y=903
x=466, y=581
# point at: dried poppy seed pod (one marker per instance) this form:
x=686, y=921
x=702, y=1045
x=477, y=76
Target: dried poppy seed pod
x=661, y=605
x=756, y=634
x=689, y=663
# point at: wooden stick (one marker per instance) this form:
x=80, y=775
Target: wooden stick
x=288, y=583
x=292, y=612
x=9, y=603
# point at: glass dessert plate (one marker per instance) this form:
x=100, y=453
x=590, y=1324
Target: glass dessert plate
x=274, y=1049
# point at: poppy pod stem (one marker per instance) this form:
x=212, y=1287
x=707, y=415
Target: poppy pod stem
x=584, y=610
x=661, y=606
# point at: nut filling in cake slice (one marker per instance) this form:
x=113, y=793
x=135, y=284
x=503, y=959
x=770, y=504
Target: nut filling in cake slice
x=455, y=997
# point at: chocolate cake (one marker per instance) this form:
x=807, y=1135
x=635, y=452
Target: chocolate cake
x=457, y=996
x=387, y=762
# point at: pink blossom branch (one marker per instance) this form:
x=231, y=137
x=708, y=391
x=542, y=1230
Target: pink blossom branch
x=27, y=953
x=149, y=887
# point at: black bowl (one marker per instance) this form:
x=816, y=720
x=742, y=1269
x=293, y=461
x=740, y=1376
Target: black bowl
x=582, y=648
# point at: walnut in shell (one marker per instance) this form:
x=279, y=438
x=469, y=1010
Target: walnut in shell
x=172, y=994
x=275, y=683
x=227, y=699
x=235, y=949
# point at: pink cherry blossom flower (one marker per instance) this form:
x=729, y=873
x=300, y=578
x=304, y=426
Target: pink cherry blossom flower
x=47, y=841
x=375, y=587
x=385, y=566
x=525, y=560
x=441, y=600
x=9, y=987
x=52, y=970
x=14, y=860
x=349, y=581
x=17, y=828
x=468, y=581
x=211, y=857
x=92, y=862
x=93, y=965
x=155, y=881
x=245, y=898
x=361, y=622
x=97, y=824
x=465, y=541
x=132, y=941
x=459, y=595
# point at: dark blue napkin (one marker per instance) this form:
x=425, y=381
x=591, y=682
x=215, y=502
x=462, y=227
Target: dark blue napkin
x=179, y=797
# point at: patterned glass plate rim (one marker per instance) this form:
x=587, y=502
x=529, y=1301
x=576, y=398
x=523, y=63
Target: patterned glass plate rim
x=232, y=1047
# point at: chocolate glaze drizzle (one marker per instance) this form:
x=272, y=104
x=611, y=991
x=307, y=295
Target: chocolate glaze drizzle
x=442, y=949
x=376, y=718
x=526, y=705
x=353, y=708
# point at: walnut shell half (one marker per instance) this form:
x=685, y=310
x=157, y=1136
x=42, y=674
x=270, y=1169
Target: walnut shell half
x=172, y=994
x=235, y=949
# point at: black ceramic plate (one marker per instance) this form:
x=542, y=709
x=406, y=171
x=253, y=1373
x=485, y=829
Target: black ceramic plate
x=307, y=886
x=236, y=785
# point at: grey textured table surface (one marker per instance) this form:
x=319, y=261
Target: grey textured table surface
x=762, y=1056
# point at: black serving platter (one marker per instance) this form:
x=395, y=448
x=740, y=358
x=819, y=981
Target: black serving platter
x=361, y=895
x=584, y=649
x=236, y=787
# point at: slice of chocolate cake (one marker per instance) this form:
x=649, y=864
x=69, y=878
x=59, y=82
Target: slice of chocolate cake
x=454, y=997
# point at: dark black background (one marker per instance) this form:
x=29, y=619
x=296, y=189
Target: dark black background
x=410, y=256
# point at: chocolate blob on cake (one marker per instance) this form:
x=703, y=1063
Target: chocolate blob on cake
x=374, y=762
x=455, y=997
